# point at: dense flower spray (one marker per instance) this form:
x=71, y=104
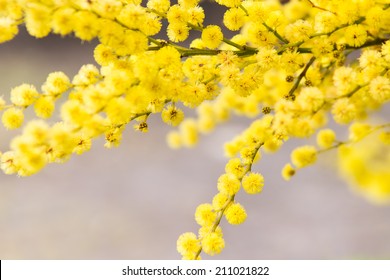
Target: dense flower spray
x=289, y=68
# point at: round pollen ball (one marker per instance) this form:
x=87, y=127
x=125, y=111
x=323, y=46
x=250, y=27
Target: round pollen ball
x=212, y=36
x=228, y=184
x=12, y=118
x=213, y=244
x=253, y=183
x=235, y=214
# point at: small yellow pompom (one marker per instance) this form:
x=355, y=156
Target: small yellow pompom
x=103, y=54
x=304, y=156
x=174, y=140
x=188, y=245
x=44, y=107
x=219, y=201
x=24, y=95
x=235, y=214
x=172, y=115
x=205, y=215
x=234, y=19
x=12, y=118
x=253, y=183
x=326, y=138
x=213, y=244
x=8, y=29
x=177, y=32
x=235, y=167
x=344, y=111
x=287, y=172
x=56, y=83
x=189, y=133
x=380, y=89
x=228, y=184
x=359, y=130
x=212, y=36
x=248, y=156
x=355, y=35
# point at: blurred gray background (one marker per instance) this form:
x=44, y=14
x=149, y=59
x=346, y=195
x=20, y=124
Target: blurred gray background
x=133, y=202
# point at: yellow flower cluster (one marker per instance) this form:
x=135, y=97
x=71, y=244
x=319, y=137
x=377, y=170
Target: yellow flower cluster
x=365, y=165
x=289, y=67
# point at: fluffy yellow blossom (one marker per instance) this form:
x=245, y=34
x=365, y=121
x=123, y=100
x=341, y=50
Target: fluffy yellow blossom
x=188, y=245
x=380, y=89
x=104, y=54
x=229, y=3
x=174, y=140
x=205, y=215
x=298, y=31
x=356, y=35
x=365, y=165
x=235, y=167
x=196, y=16
x=189, y=133
x=161, y=6
x=325, y=21
x=326, y=138
x=44, y=107
x=235, y=214
x=228, y=184
x=12, y=118
x=8, y=29
x=56, y=83
x=219, y=201
x=212, y=36
x=178, y=32
x=304, y=156
x=213, y=244
x=62, y=21
x=24, y=95
x=172, y=115
x=287, y=172
x=344, y=111
x=234, y=19
x=253, y=183
x=359, y=130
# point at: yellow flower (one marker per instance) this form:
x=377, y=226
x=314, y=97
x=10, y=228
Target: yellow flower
x=355, y=35
x=12, y=118
x=8, y=29
x=188, y=244
x=326, y=138
x=228, y=184
x=213, y=244
x=234, y=19
x=219, y=201
x=287, y=172
x=172, y=115
x=304, y=156
x=253, y=183
x=212, y=36
x=205, y=215
x=235, y=167
x=235, y=214
x=24, y=95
